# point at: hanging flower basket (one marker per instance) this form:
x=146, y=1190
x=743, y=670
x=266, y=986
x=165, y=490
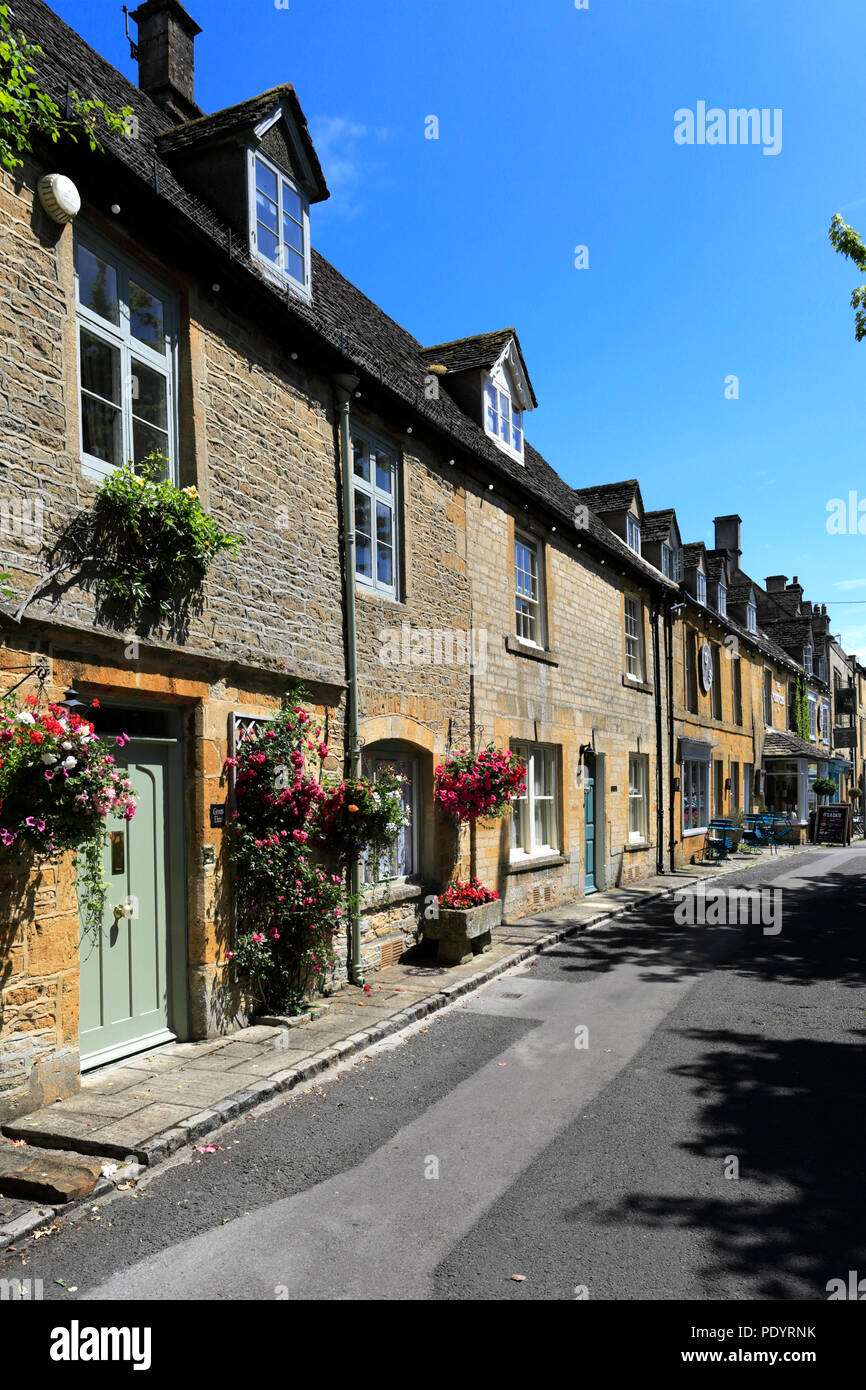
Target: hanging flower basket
x=472, y=785
x=58, y=786
x=361, y=815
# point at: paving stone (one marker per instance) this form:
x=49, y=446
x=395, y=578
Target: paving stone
x=273, y=1061
x=52, y=1130
x=259, y=1033
x=234, y=1056
x=92, y=1102
x=46, y=1175
x=28, y=1221
x=146, y=1124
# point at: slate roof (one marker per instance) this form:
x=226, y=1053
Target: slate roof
x=692, y=554
x=657, y=525
x=478, y=353
x=740, y=592
x=609, y=497
x=340, y=315
x=716, y=568
x=786, y=745
x=230, y=120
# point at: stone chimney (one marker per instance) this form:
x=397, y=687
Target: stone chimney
x=166, y=35
x=728, y=537
x=775, y=583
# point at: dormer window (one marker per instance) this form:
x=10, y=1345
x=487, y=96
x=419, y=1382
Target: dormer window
x=701, y=586
x=503, y=420
x=807, y=660
x=632, y=533
x=751, y=617
x=279, y=223
x=722, y=600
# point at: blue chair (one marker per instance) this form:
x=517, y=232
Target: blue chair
x=719, y=840
x=754, y=834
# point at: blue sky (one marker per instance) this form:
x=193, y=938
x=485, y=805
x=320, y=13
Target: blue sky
x=556, y=130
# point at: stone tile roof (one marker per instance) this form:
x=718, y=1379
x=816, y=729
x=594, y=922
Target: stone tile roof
x=609, y=497
x=693, y=553
x=740, y=592
x=245, y=114
x=466, y=354
x=657, y=525
x=787, y=745
x=340, y=315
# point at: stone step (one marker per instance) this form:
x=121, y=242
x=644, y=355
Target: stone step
x=46, y=1176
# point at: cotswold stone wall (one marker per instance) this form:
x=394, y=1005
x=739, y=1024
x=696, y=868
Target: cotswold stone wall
x=573, y=694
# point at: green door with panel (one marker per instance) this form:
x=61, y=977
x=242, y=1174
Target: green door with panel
x=129, y=970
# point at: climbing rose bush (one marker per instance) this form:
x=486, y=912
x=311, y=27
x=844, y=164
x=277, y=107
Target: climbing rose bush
x=465, y=895
x=480, y=784
x=291, y=838
x=58, y=787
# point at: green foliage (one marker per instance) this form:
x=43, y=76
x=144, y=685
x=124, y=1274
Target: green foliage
x=848, y=243
x=801, y=707
x=823, y=786
x=154, y=539
x=4, y=586
x=26, y=110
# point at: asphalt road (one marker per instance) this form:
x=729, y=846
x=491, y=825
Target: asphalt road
x=652, y=1111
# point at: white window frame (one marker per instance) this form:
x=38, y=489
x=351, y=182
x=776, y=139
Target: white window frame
x=533, y=613
x=523, y=814
x=302, y=287
x=695, y=783
x=501, y=409
x=701, y=587
x=402, y=760
x=813, y=718
x=632, y=533
x=751, y=617
x=634, y=638
x=807, y=660
x=667, y=560
x=378, y=496
x=119, y=337
x=722, y=600
x=638, y=797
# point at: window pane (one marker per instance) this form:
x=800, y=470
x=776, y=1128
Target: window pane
x=149, y=395
x=266, y=213
x=362, y=463
x=146, y=317
x=101, y=430
x=383, y=471
x=266, y=180
x=383, y=524
x=295, y=265
x=97, y=285
x=146, y=438
x=291, y=202
x=100, y=367
x=292, y=233
x=363, y=542
x=384, y=564
x=268, y=244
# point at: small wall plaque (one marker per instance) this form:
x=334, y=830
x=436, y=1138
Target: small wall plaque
x=218, y=816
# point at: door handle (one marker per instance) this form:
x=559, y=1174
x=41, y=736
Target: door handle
x=122, y=910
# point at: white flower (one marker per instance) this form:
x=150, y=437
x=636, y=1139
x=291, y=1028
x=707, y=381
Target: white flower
x=49, y=758
x=70, y=762
x=67, y=747
x=25, y=717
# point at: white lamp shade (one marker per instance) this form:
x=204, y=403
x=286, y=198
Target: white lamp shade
x=59, y=197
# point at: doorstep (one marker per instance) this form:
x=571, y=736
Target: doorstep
x=147, y=1107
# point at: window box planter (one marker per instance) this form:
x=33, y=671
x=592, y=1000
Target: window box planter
x=465, y=932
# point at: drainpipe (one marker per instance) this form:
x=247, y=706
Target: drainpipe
x=669, y=654
x=344, y=385
x=660, y=809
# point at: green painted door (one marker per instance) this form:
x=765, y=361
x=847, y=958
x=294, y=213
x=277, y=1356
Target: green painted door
x=126, y=969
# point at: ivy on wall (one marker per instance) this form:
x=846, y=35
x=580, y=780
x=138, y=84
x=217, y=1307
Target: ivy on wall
x=801, y=707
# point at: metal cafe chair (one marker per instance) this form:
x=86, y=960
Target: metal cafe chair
x=719, y=841
x=754, y=833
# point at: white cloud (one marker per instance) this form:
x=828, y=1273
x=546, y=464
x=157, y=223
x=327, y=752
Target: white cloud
x=342, y=147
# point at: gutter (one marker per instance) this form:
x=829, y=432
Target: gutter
x=344, y=385
x=660, y=809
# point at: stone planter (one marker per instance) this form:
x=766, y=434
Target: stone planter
x=464, y=932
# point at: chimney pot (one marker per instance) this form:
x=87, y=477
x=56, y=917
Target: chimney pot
x=166, y=65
